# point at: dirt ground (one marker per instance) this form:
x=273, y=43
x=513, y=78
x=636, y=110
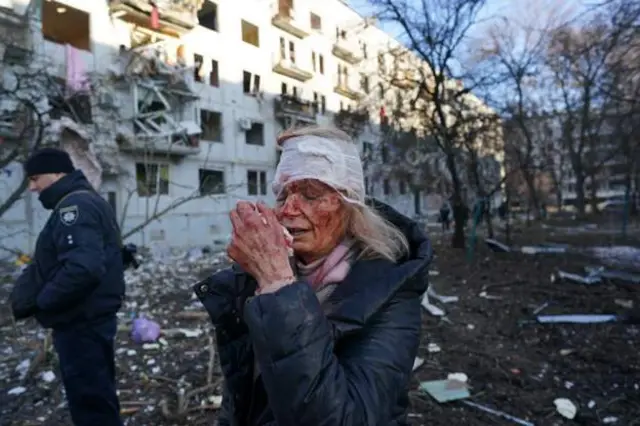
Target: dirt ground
x=513, y=364
x=518, y=366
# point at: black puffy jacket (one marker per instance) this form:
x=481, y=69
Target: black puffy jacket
x=77, y=271
x=345, y=363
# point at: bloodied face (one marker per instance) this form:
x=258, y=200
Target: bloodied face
x=315, y=215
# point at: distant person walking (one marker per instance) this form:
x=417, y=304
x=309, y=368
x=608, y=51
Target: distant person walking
x=445, y=216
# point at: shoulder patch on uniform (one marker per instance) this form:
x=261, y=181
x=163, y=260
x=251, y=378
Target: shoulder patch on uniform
x=69, y=215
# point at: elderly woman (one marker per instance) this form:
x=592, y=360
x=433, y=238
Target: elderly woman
x=329, y=336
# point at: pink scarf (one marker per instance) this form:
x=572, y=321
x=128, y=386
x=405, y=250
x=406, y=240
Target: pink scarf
x=330, y=269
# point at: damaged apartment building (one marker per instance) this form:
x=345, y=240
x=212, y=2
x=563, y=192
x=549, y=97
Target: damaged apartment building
x=172, y=106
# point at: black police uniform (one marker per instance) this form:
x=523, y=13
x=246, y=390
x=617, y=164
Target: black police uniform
x=79, y=268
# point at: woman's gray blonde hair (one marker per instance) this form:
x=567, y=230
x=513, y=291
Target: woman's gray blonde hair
x=376, y=237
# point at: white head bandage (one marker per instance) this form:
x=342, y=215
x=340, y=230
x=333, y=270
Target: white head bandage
x=333, y=162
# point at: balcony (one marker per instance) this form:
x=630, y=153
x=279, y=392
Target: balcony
x=346, y=51
x=285, y=20
x=404, y=79
x=289, y=69
x=289, y=107
x=182, y=141
x=343, y=89
x=175, y=17
x=351, y=121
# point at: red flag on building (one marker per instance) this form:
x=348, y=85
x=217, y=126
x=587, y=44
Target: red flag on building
x=155, y=17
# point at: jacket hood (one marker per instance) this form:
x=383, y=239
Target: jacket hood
x=419, y=244
x=74, y=181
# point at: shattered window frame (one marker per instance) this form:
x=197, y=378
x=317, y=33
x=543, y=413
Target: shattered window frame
x=78, y=106
x=208, y=16
x=211, y=124
x=256, y=182
x=386, y=187
x=198, y=64
x=255, y=135
x=211, y=182
x=152, y=179
x=214, y=74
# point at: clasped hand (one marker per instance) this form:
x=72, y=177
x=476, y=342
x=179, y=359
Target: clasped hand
x=258, y=244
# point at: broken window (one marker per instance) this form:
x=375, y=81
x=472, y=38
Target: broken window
x=313, y=61
x=152, y=179
x=211, y=182
x=147, y=108
x=214, y=76
x=323, y=104
x=402, y=187
x=321, y=63
x=255, y=135
x=256, y=182
x=316, y=22
x=250, y=83
x=211, y=123
x=283, y=88
x=64, y=24
x=292, y=52
x=367, y=150
x=384, y=151
x=365, y=54
x=208, y=16
x=77, y=106
x=198, y=62
x=364, y=83
x=283, y=48
x=250, y=33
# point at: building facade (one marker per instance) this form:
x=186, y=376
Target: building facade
x=175, y=105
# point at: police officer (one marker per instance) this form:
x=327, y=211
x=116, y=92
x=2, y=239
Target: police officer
x=79, y=269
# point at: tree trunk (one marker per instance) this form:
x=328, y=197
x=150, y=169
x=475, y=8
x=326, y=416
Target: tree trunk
x=580, y=198
x=507, y=225
x=593, y=194
x=458, y=239
x=487, y=219
x=533, y=194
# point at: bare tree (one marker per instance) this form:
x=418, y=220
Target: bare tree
x=437, y=33
x=151, y=187
x=580, y=60
x=518, y=49
x=23, y=120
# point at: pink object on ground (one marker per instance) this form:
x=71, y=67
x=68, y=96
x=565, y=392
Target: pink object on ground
x=145, y=330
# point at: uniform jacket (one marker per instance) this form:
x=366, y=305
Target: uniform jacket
x=345, y=363
x=78, y=257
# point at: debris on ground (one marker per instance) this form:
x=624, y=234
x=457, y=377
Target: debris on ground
x=516, y=371
x=546, y=249
x=445, y=390
x=566, y=408
x=576, y=319
x=498, y=413
x=168, y=372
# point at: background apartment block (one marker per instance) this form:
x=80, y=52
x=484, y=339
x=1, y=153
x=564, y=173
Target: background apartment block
x=187, y=98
